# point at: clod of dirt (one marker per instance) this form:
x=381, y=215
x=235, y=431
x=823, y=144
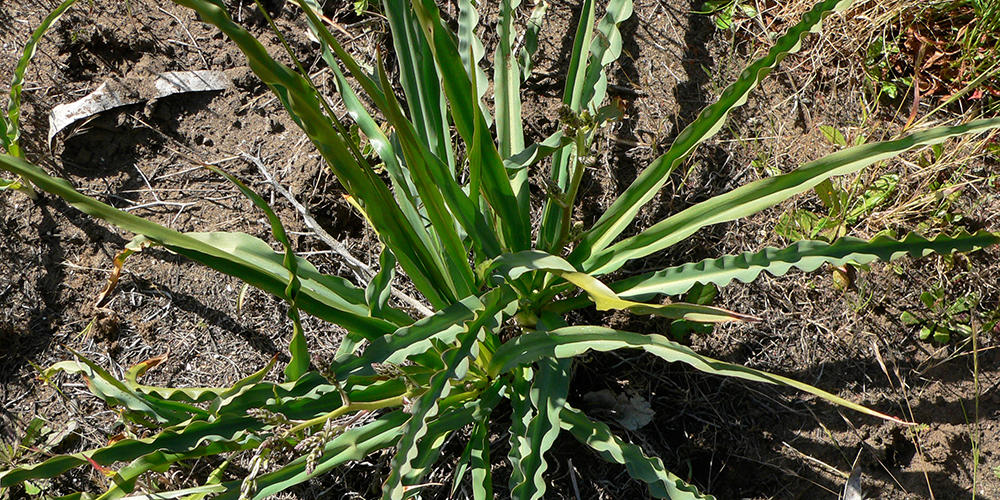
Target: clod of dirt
x=632, y=413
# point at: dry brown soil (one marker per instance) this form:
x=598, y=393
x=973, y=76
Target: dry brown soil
x=733, y=439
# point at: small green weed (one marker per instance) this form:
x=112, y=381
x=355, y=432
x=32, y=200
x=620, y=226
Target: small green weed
x=360, y=6
x=843, y=206
x=842, y=210
x=39, y=439
x=943, y=320
x=879, y=68
x=942, y=47
x=724, y=12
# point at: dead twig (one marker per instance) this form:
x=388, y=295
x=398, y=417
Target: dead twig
x=572, y=478
x=356, y=265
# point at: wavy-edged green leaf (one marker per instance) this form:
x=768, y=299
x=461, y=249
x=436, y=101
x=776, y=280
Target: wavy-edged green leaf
x=709, y=121
x=443, y=326
x=196, y=439
x=650, y=470
x=426, y=407
x=482, y=475
x=297, y=346
x=525, y=57
x=604, y=50
x=111, y=390
x=559, y=171
x=10, y=127
x=313, y=395
x=575, y=340
x=194, y=493
x=507, y=84
x=804, y=255
x=420, y=80
x=308, y=397
x=190, y=394
x=476, y=457
x=250, y=259
x=353, y=444
x=297, y=95
x=378, y=291
x=429, y=448
x=521, y=414
x=176, y=439
x=472, y=51
x=412, y=455
x=512, y=211
x=548, y=395
x=512, y=266
x=159, y=461
x=764, y=193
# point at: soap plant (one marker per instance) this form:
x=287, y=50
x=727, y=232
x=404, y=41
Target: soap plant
x=455, y=217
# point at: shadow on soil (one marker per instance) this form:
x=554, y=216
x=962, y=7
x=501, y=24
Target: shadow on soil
x=107, y=152
x=625, y=161
x=717, y=432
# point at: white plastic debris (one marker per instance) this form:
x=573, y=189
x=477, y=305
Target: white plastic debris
x=176, y=82
x=115, y=94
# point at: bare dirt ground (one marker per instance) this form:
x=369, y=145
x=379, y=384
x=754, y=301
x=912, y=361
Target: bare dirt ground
x=732, y=439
